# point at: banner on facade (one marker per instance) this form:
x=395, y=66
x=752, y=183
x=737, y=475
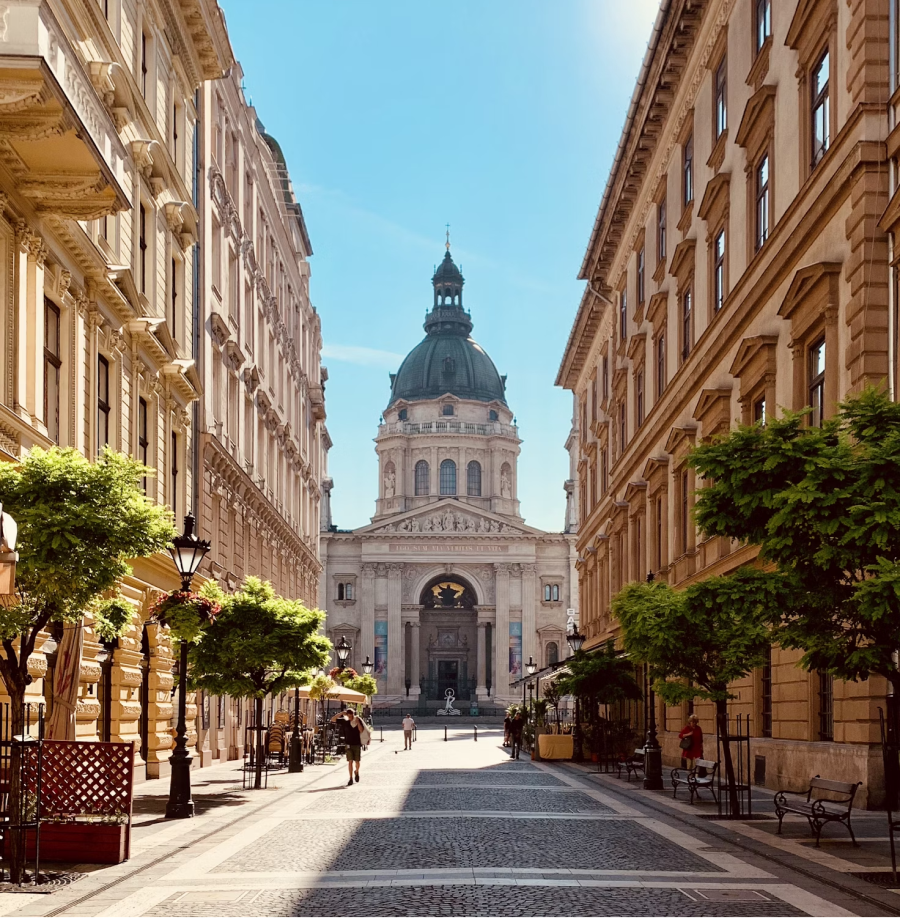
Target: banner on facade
x=515, y=649
x=381, y=648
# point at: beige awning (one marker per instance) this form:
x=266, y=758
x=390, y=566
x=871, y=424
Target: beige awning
x=339, y=694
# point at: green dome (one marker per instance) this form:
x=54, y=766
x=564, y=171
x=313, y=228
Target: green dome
x=448, y=359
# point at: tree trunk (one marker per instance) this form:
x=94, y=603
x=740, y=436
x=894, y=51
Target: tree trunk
x=17, y=791
x=731, y=784
x=260, y=743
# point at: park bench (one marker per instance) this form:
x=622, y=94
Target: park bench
x=701, y=776
x=817, y=809
x=633, y=765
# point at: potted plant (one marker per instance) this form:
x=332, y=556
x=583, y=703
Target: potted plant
x=185, y=612
x=81, y=838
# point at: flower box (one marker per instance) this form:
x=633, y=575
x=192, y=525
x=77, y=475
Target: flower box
x=79, y=843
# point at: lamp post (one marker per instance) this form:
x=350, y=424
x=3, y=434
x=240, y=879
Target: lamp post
x=187, y=552
x=576, y=642
x=653, y=779
x=342, y=649
x=531, y=668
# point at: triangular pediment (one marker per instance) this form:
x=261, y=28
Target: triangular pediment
x=448, y=517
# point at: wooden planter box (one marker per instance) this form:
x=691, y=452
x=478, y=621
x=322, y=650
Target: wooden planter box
x=80, y=843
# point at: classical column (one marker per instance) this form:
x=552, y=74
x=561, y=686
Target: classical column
x=414, y=652
x=500, y=684
x=396, y=676
x=367, y=615
x=529, y=632
x=481, y=662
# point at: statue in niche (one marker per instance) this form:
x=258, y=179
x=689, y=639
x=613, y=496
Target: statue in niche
x=390, y=481
x=505, y=484
x=431, y=639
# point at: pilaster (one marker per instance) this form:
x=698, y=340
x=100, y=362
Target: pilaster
x=529, y=630
x=395, y=631
x=500, y=682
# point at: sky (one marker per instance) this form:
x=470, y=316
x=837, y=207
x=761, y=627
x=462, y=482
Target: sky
x=397, y=117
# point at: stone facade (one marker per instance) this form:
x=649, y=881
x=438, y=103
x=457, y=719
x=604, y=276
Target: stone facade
x=448, y=588
x=737, y=266
x=262, y=432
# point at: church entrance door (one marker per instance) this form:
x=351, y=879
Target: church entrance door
x=448, y=677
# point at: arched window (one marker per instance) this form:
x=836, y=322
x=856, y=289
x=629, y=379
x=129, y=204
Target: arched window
x=340, y=594
x=348, y=591
x=552, y=653
x=422, y=477
x=448, y=477
x=473, y=479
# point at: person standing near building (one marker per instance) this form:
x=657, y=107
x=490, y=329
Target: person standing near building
x=516, y=726
x=408, y=726
x=691, y=741
x=351, y=732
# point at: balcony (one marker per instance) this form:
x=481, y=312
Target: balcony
x=411, y=428
x=57, y=136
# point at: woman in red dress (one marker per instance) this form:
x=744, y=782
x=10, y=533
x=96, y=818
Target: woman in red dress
x=695, y=734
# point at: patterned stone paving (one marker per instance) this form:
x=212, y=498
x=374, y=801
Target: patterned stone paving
x=434, y=842
x=471, y=900
x=490, y=778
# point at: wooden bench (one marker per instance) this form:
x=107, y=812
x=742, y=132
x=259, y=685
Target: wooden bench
x=633, y=765
x=817, y=809
x=701, y=776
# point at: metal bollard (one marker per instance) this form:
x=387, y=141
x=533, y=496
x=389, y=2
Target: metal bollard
x=476, y=732
x=445, y=734
x=381, y=734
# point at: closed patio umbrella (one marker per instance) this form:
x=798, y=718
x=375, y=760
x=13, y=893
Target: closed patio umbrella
x=61, y=725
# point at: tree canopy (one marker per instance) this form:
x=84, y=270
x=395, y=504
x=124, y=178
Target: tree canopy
x=258, y=644
x=823, y=505
x=604, y=675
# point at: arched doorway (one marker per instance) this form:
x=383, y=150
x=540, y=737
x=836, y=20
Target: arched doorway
x=447, y=617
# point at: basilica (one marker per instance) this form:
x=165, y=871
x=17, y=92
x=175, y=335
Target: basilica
x=447, y=587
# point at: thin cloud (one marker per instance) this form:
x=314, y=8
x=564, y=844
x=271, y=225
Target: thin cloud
x=362, y=356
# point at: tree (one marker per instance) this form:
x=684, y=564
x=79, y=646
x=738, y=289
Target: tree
x=700, y=639
x=79, y=524
x=823, y=506
x=553, y=696
x=603, y=675
x=365, y=685
x=259, y=644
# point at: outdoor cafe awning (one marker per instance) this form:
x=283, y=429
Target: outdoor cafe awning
x=343, y=694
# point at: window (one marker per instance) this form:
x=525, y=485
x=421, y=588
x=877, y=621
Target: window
x=422, y=478
x=622, y=429
x=623, y=313
x=685, y=510
x=402, y=414
x=340, y=591
x=661, y=232
x=552, y=653
x=448, y=477
x=473, y=479
x=348, y=591
x=762, y=202
x=493, y=416
x=821, y=129
x=640, y=276
x=721, y=97
x=447, y=411
x=144, y=65
x=719, y=270
x=604, y=472
x=766, y=694
x=826, y=707
x=551, y=592
x=173, y=298
x=687, y=170
x=686, y=324
x=143, y=436
x=546, y=592
x=763, y=22
x=660, y=365
x=174, y=500
x=142, y=245
x=639, y=396
x=103, y=406
x=605, y=378
x=817, y=383
x=759, y=411
x=52, y=364
x=659, y=533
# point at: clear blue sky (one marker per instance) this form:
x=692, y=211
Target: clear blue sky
x=500, y=118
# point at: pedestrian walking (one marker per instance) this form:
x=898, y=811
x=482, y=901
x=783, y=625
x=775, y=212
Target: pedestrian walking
x=691, y=741
x=351, y=728
x=506, y=724
x=408, y=726
x=516, y=726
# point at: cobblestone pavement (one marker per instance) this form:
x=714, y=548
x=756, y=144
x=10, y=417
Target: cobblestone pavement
x=450, y=828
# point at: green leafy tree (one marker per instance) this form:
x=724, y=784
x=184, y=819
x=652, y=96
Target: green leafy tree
x=259, y=644
x=603, y=676
x=365, y=685
x=823, y=507
x=79, y=524
x=553, y=696
x=699, y=640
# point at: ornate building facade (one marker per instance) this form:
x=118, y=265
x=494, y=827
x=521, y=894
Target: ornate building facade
x=97, y=239
x=738, y=265
x=261, y=419
x=448, y=588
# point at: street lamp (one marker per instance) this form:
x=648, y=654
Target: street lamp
x=653, y=779
x=187, y=552
x=368, y=666
x=342, y=649
x=530, y=668
x=576, y=642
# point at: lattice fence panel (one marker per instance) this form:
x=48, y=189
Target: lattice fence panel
x=85, y=778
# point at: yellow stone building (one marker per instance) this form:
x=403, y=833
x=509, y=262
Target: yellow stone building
x=739, y=264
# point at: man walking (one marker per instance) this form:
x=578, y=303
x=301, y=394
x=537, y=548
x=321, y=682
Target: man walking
x=408, y=726
x=350, y=725
x=515, y=734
